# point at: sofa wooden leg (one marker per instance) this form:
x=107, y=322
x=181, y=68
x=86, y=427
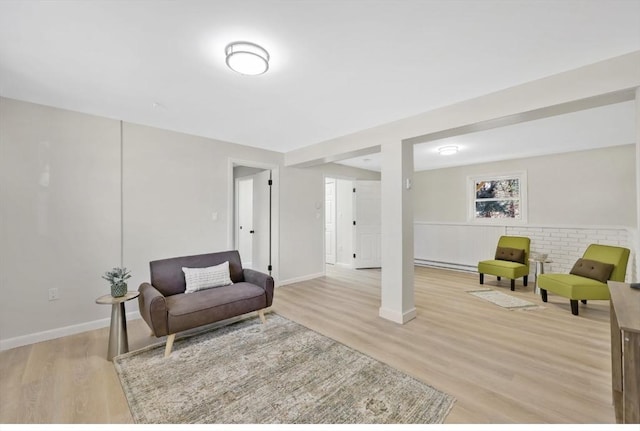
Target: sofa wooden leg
x=513, y=284
x=499, y=278
x=543, y=293
x=584, y=301
x=169, y=346
x=574, y=306
x=261, y=314
x=481, y=278
x=525, y=279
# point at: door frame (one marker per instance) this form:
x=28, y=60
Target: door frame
x=335, y=213
x=275, y=209
x=236, y=209
x=324, y=218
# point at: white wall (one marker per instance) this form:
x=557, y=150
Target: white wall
x=60, y=215
x=594, y=187
x=172, y=184
x=65, y=230
x=302, y=218
x=574, y=199
x=341, y=171
x=565, y=245
x=302, y=224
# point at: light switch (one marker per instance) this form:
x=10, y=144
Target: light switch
x=214, y=216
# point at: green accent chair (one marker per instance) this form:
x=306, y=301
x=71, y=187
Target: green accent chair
x=507, y=268
x=579, y=288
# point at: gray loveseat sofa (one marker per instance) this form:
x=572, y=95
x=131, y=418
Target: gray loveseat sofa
x=167, y=309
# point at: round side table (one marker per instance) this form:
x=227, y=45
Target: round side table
x=118, y=341
x=539, y=270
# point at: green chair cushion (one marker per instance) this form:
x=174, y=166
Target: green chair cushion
x=503, y=268
x=573, y=286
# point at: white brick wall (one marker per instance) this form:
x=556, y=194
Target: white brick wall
x=565, y=245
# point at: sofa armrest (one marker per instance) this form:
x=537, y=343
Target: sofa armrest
x=260, y=279
x=153, y=309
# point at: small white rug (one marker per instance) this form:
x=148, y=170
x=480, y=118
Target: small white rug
x=502, y=299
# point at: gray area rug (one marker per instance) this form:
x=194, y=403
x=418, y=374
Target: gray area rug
x=503, y=300
x=280, y=372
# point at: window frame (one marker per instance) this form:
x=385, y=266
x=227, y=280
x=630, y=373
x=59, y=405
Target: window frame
x=521, y=176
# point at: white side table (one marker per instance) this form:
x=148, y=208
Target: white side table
x=539, y=270
x=118, y=339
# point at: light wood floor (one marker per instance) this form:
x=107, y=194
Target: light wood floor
x=536, y=366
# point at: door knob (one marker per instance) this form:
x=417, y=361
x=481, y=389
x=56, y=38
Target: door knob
x=251, y=231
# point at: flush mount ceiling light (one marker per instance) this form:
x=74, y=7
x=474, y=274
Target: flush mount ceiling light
x=247, y=58
x=448, y=150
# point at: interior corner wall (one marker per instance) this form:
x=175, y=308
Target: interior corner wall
x=74, y=201
x=592, y=187
x=301, y=224
x=175, y=197
x=63, y=184
x=302, y=203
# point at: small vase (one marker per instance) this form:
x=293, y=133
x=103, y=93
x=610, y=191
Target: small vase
x=118, y=290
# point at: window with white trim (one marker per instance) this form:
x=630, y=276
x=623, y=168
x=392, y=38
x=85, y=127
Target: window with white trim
x=498, y=198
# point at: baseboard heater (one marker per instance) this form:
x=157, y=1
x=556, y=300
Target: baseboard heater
x=445, y=265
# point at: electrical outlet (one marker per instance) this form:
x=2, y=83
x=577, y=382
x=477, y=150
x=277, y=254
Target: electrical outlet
x=54, y=294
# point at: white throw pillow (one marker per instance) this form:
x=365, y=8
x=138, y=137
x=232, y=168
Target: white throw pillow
x=206, y=278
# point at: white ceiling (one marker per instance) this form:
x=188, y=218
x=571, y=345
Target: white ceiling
x=337, y=66
x=600, y=127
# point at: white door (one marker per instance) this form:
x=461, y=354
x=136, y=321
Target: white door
x=244, y=198
x=330, y=221
x=367, y=224
x=344, y=222
x=261, y=218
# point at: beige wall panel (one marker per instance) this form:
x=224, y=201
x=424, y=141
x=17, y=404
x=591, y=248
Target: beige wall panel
x=60, y=215
x=173, y=185
x=592, y=188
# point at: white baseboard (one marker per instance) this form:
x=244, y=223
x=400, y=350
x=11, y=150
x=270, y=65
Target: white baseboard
x=457, y=266
x=445, y=265
x=397, y=316
x=299, y=279
x=51, y=334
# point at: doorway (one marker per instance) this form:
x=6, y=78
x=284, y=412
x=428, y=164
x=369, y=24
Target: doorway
x=367, y=224
x=253, y=207
x=352, y=223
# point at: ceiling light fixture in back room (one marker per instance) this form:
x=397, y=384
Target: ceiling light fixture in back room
x=448, y=150
x=247, y=58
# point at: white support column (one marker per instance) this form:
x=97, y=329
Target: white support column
x=397, y=298
x=635, y=272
